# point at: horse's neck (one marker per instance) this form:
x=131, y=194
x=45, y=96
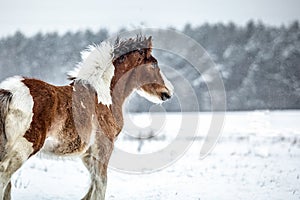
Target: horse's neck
x=124, y=86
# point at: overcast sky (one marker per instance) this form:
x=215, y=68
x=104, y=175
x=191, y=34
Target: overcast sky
x=32, y=16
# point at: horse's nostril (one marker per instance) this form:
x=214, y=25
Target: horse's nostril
x=165, y=96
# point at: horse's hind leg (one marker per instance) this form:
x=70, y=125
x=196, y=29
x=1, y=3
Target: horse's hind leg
x=7, y=191
x=16, y=155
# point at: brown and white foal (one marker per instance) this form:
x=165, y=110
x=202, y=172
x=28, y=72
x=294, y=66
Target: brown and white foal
x=81, y=119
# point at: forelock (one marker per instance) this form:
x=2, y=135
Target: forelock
x=123, y=47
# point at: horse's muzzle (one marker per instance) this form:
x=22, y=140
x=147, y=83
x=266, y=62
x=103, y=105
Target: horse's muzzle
x=165, y=96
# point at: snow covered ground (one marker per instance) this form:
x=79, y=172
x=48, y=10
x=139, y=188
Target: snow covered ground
x=256, y=157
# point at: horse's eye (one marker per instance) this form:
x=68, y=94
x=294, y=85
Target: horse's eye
x=122, y=58
x=141, y=52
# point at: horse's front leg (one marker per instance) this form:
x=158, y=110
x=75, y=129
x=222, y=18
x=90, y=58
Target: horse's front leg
x=96, y=160
x=98, y=172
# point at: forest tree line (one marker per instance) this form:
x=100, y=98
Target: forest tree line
x=259, y=64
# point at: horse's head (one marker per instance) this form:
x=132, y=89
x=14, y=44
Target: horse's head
x=152, y=84
x=134, y=57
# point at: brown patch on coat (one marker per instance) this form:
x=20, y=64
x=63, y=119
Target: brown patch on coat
x=44, y=98
x=59, y=114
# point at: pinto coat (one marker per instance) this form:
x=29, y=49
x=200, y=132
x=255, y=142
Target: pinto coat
x=82, y=118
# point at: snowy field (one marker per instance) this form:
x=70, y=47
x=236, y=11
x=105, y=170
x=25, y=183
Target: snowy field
x=256, y=157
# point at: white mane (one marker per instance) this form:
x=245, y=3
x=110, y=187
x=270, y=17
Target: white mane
x=97, y=69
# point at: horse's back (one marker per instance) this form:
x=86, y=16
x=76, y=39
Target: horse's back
x=57, y=119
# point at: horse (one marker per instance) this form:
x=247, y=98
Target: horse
x=81, y=119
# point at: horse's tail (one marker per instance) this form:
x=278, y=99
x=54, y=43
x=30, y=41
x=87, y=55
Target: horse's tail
x=5, y=99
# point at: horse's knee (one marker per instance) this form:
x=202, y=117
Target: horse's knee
x=7, y=192
x=96, y=190
x=5, y=187
x=15, y=157
x=12, y=162
x=4, y=176
x=98, y=172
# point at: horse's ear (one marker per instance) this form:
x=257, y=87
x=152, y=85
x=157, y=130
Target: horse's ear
x=149, y=46
x=149, y=42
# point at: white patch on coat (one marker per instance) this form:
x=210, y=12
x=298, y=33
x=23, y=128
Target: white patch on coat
x=17, y=122
x=82, y=105
x=149, y=97
x=20, y=112
x=97, y=69
x=50, y=145
x=92, y=136
x=52, y=141
x=168, y=84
